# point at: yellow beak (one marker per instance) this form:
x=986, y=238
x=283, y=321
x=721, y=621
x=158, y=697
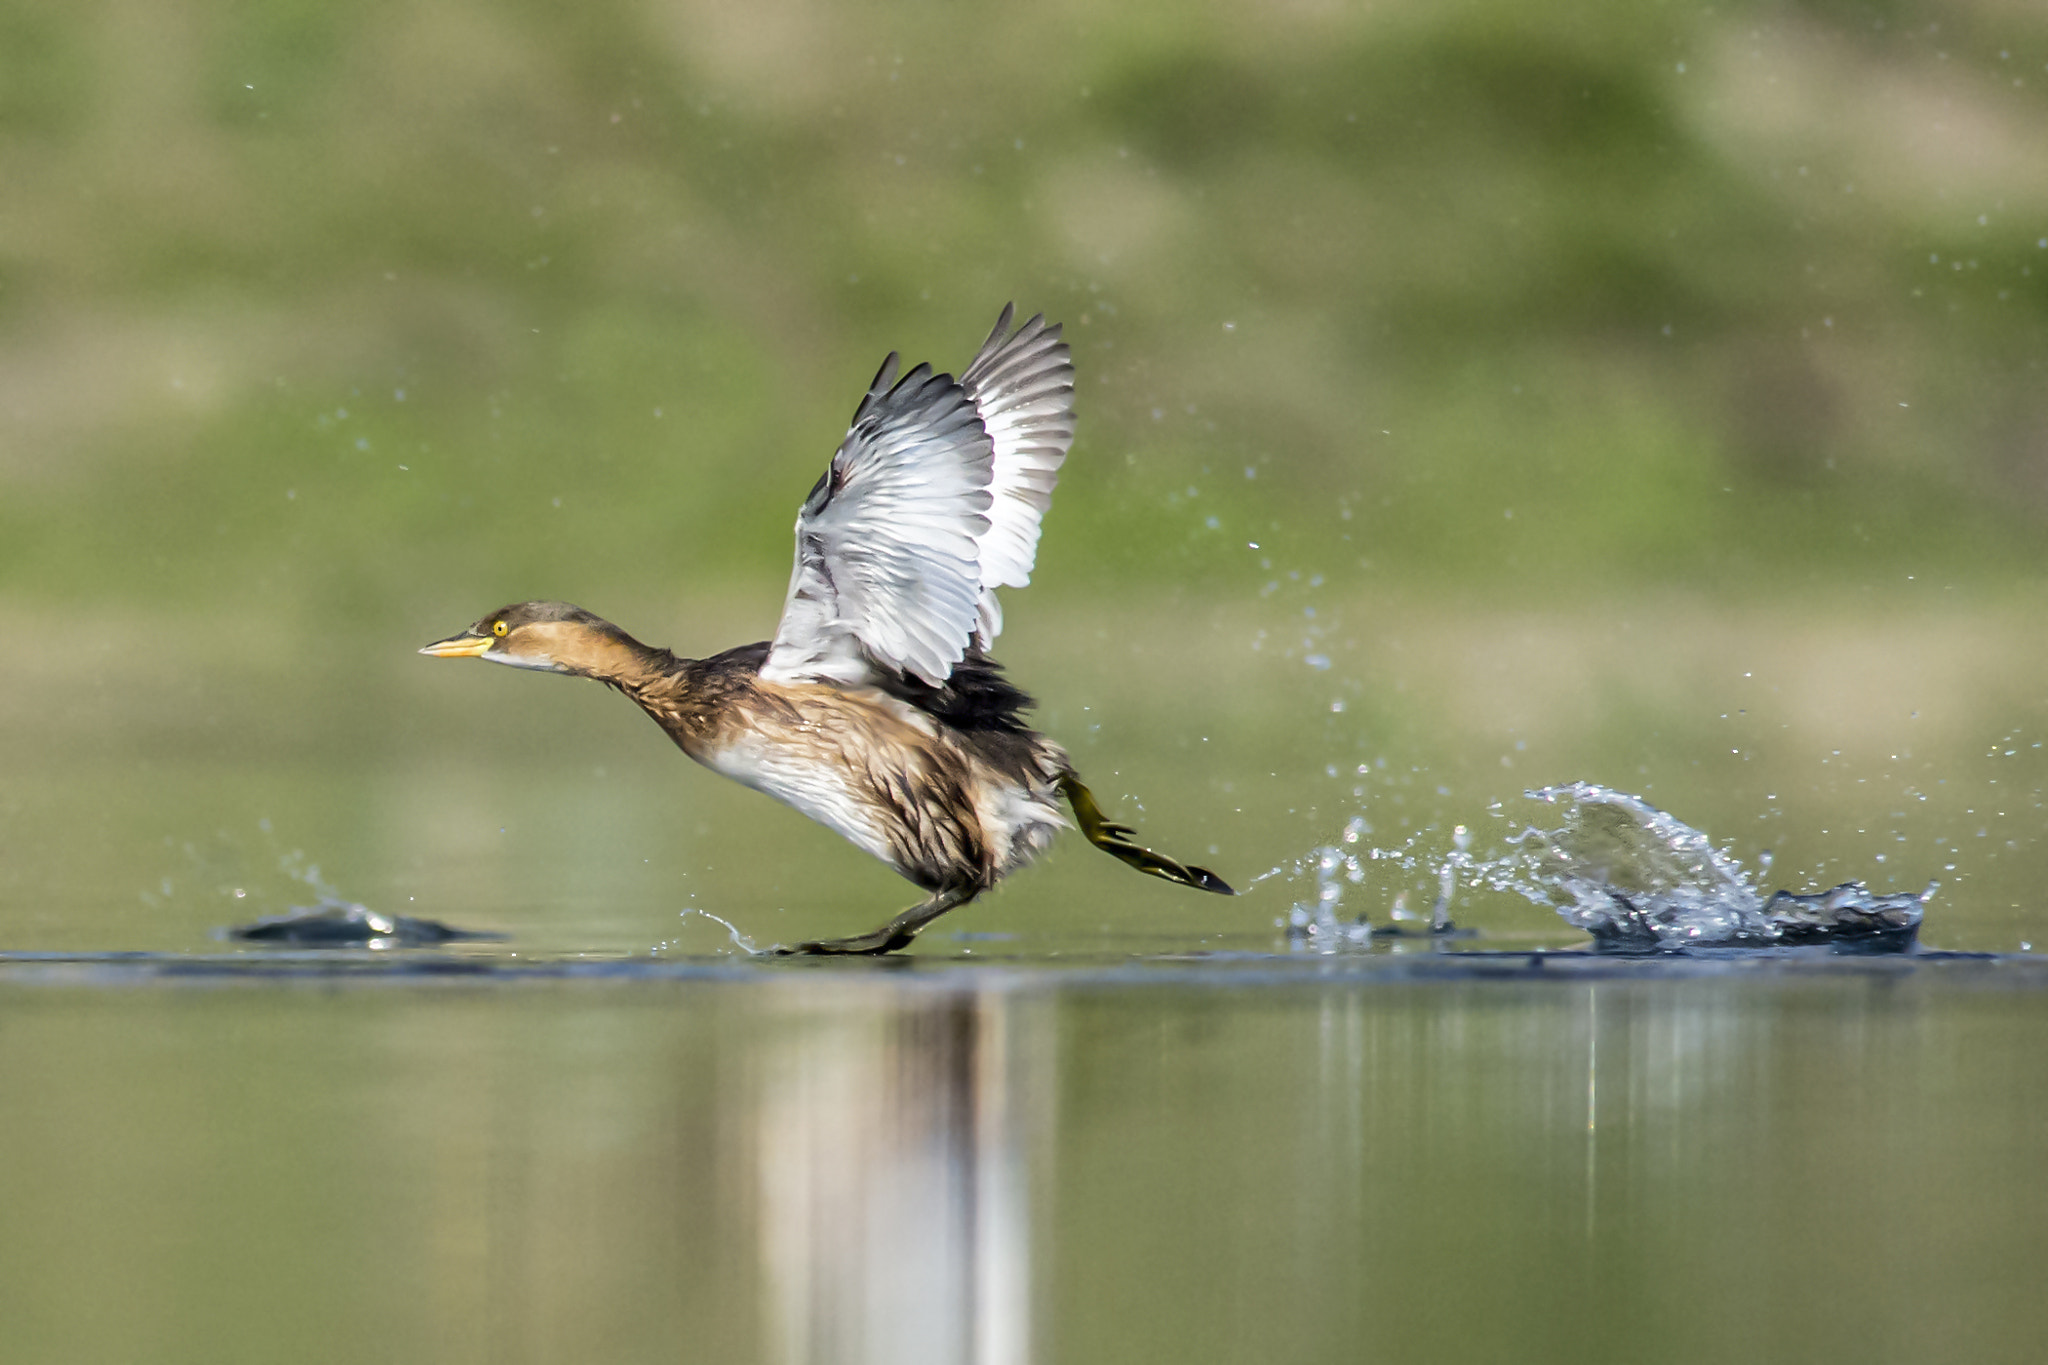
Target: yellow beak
x=464, y=646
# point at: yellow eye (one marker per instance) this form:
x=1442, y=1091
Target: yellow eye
x=498, y=630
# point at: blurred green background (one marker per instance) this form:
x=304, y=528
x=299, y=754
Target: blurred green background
x=1472, y=396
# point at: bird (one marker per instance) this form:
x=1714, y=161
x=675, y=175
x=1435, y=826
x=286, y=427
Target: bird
x=877, y=709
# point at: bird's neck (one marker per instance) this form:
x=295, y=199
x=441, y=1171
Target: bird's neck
x=611, y=656
x=643, y=670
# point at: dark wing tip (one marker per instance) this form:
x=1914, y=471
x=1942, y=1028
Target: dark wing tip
x=878, y=388
x=919, y=376
x=1002, y=327
x=999, y=336
x=885, y=378
x=1203, y=878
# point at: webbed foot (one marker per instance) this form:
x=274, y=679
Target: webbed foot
x=894, y=935
x=873, y=944
x=1118, y=842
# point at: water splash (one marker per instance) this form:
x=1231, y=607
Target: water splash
x=346, y=924
x=1319, y=925
x=1638, y=879
x=226, y=870
x=732, y=932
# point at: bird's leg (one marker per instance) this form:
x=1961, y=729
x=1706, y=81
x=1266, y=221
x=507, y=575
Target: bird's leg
x=1116, y=841
x=897, y=933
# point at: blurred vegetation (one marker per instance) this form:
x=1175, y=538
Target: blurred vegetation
x=311, y=307
x=1472, y=396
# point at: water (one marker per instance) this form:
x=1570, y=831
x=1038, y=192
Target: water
x=1632, y=876
x=1636, y=877
x=1383, y=1158
x=1317, y=924
x=345, y=924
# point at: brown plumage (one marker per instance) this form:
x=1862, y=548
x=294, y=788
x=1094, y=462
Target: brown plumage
x=875, y=710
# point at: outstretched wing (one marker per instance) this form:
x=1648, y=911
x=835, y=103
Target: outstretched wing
x=1023, y=389
x=887, y=572
x=932, y=501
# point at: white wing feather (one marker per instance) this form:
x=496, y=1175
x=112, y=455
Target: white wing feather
x=1023, y=389
x=932, y=502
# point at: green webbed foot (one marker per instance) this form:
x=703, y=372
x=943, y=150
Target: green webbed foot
x=1116, y=840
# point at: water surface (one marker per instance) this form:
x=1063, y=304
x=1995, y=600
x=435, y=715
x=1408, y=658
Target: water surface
x=1398, y=1158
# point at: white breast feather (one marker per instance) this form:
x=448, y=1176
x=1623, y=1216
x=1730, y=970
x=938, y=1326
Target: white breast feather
x=819, y=790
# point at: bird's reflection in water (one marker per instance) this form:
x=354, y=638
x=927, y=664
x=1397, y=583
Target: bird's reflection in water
x=893, y=1157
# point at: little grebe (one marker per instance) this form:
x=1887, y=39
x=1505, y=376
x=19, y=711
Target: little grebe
x=876, y=710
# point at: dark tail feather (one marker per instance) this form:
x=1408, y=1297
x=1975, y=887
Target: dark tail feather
x=1115, y=840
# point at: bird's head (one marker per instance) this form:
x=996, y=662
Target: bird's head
x=553, y=637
